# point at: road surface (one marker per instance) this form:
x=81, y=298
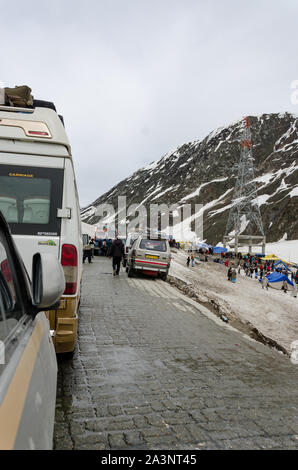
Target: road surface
x=151, y=371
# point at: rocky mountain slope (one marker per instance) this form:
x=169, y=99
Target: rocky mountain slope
x=203, y=172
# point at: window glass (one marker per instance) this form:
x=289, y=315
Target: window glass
x=30, y=197
x=153, y=245
x=10, y=312
x=25, y=200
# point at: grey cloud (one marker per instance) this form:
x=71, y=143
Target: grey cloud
x=136, y=78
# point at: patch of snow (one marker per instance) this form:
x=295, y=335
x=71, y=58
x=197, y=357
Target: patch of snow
x=218, y=211
x=244, y=223
x=214, y=134
x=264, y=178
x=262, y=199
x=197, y=191
x=163, y=192
x=294, y=192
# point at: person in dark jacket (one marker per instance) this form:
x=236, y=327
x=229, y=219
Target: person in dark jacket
x=116, y=252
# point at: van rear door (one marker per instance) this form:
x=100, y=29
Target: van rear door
x=29, y=199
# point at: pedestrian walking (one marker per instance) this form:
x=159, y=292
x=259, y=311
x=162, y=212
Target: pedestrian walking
x=116, y=252
x=265, y=283
x=294, y=290
x=192, y=260
x=188, y=261
x=233, y=275
x=92, y=247
x=285, y=286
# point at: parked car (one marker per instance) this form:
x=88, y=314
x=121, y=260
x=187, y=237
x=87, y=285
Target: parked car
x=28, y=364
x=150, y=256
x=131, y=237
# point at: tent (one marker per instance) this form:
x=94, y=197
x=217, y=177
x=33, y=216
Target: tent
x=281, y=264
x=270, y=258
x=276, y=279
x=203, y=245
x=219, y=249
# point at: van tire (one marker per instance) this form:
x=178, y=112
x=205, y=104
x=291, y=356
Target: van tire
x=66, y=356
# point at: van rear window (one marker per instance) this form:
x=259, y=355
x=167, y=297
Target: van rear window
x=153, y=245
x=30, y=197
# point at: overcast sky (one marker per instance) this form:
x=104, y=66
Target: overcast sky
x=136, y=78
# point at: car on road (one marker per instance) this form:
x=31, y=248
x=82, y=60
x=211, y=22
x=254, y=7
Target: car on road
x=28, y=364
x=149, y=255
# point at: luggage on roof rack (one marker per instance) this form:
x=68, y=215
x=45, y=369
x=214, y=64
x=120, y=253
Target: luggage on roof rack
x=19, y=96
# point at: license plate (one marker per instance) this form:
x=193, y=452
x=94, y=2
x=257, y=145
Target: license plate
x=152, y=256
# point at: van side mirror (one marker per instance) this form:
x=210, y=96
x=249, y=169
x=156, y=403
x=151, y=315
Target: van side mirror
x=48, y=282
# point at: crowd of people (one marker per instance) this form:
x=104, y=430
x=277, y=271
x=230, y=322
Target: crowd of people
x=253, y=267
x=174, y=244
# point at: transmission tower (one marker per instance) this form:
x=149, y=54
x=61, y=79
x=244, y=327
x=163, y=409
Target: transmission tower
x=244, y=221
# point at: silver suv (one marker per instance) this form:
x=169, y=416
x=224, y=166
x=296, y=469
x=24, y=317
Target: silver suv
x=150, y=256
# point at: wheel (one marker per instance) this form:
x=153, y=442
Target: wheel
x=66, y=356
x=124, y=263
x=164, y=276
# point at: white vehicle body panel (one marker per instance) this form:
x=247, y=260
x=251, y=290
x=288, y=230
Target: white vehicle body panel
x=36, y=224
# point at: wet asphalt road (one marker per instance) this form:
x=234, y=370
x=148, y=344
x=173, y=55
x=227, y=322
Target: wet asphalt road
x=152, y=372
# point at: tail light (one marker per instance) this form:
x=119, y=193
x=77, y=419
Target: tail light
x=69, y=261
x=126, y=249
x=5, y=270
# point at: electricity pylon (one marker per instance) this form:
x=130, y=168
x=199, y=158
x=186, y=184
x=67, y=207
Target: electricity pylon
x=245, y=222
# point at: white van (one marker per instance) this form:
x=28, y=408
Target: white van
x=38, y=198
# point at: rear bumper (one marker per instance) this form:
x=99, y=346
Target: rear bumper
x=64, y=324
x=144, y=265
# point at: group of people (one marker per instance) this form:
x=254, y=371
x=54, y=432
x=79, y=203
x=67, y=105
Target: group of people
x=113, y=249
x=191, y=259
x=104, y=246
x=253, y=267
x=174, y=244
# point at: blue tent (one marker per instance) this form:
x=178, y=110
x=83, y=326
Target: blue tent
x=276, y=279
x=203, y=245
x=281, y=264
x=219, y=249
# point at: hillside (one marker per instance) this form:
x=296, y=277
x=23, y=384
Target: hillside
x=203, y=172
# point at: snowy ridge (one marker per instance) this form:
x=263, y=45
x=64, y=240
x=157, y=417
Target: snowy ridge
x=204, y=172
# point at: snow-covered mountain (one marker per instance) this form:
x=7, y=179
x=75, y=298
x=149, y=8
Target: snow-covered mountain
x=204, y=172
